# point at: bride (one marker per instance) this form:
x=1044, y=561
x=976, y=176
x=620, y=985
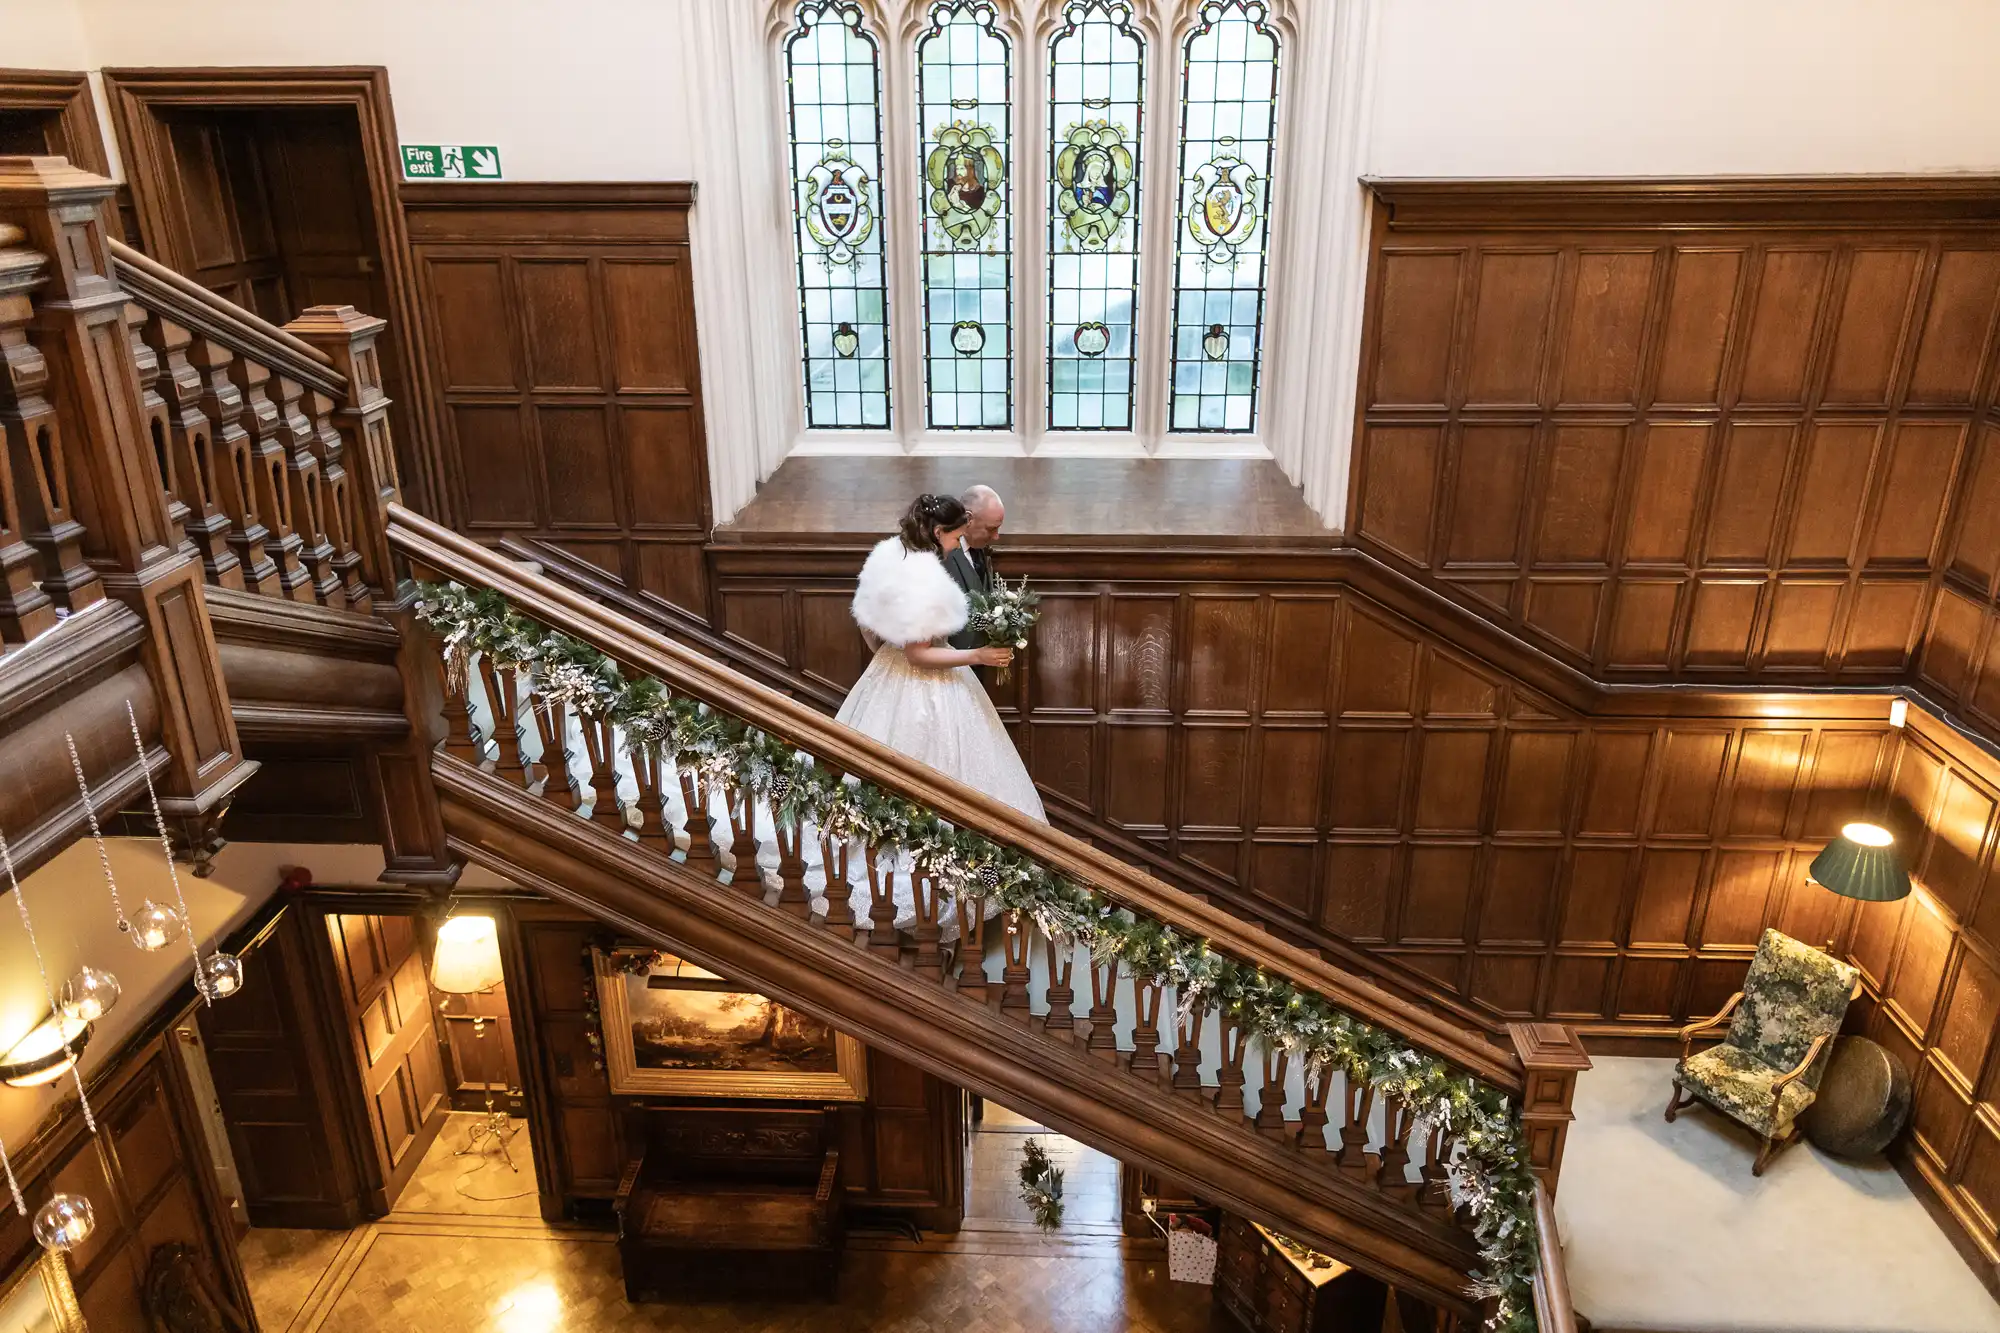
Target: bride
x=919, y=695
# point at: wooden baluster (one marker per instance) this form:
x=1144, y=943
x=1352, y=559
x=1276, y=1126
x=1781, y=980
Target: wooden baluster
x=1393, y=1177
x=146, y=363
x=600, y=741
x=1060, y=1022
x=745, y=876
x=1187, y=1050
x=305, y=491
x=927, y=932
x=552, y=725
x=1312, y=1116
x=648, y=773
x=972, y=981
x=788, y=829
x=1229, y=1079
x=236, y=489
x=1145, y=1061
x=339, y=506
x=882, y=937
x=1270, y=1117
x=839, y=891
x=1354, y=1159
x=189, y=444
x=25, y=610
x=699, y=826
x=267, y=477
x=1103, y=1015
x=792, y=895
x=1434, y=1195
x=459, y=740
x=1014, y=972
x=505, y=705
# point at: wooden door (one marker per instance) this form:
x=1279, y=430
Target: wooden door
x=224, y=211
x=388, y=1000
x=280, y=1084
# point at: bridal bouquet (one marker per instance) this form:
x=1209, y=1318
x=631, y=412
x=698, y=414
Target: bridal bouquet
x=1005, y=616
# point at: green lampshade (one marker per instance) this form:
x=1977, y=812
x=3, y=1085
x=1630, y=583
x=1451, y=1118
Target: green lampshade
x=1862, y=863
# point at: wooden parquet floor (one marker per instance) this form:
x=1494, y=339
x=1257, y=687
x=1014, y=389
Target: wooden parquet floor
x=454, y=1258
x=490, y=1275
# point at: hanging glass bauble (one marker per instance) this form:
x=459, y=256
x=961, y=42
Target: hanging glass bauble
x=64, y=1222
x=89, y=995
x=221, y=975
x=154, y=927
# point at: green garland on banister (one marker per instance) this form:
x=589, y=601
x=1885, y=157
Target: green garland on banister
x=1489, y=1173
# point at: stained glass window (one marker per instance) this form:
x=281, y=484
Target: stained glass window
x=834, y=84
x=964, y=104
x=1229, y=101
x=1096, y=96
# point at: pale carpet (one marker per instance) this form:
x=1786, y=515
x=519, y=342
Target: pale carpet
x=1666, y=1229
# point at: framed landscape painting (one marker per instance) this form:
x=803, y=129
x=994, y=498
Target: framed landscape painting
x=39, y=1299
x=671, y=1027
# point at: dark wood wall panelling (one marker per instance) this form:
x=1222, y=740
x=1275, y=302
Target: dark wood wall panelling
x=901, y=1150
x=562, y=334
x=147, y=1174
x=1348, y=774
x=1727, y=432
x=1932, y=965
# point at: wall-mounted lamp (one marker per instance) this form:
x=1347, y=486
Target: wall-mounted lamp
x=45, y=1054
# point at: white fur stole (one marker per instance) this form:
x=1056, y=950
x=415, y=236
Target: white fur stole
x=905, y=597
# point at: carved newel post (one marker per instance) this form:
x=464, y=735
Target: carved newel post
x=98, y=494
x=1551, y=1056
x=366, y=486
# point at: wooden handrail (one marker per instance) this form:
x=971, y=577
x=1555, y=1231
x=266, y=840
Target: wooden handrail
x=1553, y=1311
x=456, y=557
x=192, y=306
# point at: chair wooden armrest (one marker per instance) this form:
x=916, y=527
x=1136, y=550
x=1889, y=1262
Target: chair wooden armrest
x=1812, y=1053
x=829, y=1179
x=1693, y=1030
x=626, y=1184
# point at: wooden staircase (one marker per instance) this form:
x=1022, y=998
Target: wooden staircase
x=227, y=489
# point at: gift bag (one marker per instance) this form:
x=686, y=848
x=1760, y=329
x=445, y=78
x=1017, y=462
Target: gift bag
x=1190, y=1251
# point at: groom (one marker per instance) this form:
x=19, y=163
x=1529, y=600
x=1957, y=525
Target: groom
x=970, y=565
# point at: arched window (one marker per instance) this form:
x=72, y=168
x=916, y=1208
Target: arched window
x=964, y=117
x=1097, y=94
x=1229, y=104
x=833, y=78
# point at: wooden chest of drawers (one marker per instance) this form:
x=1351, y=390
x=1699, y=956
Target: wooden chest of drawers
x=1267, y=1289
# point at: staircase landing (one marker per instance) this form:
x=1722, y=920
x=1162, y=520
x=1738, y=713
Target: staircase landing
x=1082, y=501
x=1664, y=1227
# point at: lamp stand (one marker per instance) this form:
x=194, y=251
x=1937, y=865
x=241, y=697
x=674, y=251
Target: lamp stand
x=494, y=1127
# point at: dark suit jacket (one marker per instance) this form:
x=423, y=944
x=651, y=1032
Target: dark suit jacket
x=972, y=578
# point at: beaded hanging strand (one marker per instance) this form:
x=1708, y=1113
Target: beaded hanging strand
x=97, y=834
x=159, y=822
x=27, y=924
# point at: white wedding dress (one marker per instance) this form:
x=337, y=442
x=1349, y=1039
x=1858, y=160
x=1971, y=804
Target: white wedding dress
x=941, y=717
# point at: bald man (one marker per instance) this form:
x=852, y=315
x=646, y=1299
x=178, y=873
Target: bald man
x=970, y=565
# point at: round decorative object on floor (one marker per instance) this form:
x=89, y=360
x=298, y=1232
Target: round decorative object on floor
x=1863, y=1100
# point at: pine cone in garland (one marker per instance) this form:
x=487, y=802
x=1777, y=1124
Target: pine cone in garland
x=989, y=878
x=781, y=787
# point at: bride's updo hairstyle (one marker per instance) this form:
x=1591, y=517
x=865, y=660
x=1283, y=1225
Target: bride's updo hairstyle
x=925, y=516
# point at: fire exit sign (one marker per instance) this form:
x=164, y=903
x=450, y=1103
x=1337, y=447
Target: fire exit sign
x=450, y=162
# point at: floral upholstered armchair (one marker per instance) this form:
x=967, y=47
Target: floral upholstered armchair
x=1767, y=1070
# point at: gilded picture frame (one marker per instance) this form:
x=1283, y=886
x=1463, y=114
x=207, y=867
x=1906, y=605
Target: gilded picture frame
x=672, y=1028
x=38, y=1298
